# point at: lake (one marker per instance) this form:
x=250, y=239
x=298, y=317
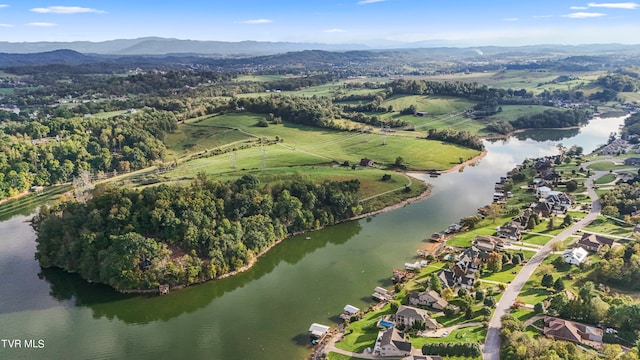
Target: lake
x=263, y=313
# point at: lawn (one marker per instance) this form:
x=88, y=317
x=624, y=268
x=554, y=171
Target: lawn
x=535, y=239
x=512, y=112
x=336, y=356
x=505, y=276
x=605, y=166
x=189, y=138
x=605, y=179
x=471, y=334
x=602, y=225
x=362, y=334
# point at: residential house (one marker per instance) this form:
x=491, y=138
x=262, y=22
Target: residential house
x=510, y=231
x=544, y=209
x=593, y=242
x=470, y=260
x=489, y=243
x=575, y=256
x=457, y=277
x=409, y=315
x=392, y=343
x=428, y=298
x=543, y=191
x=522, y=220
x=573, y=331
x=560, y=202
x=632, y=161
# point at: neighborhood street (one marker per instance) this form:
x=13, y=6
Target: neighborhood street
x=492, y=342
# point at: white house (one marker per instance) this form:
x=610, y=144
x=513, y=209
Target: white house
x=349, y=312
x=575, y=256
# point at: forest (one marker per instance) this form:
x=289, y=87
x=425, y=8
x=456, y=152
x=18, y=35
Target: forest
x=132, y=239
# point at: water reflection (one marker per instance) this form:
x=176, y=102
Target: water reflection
x=137, y=309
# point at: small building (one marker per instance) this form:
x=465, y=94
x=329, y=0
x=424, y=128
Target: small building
x=543, y=192
x=593, y=242
x=573, y=331
x=422, y=113
x=381, y=294
x=437, y=237
x=575, y=256
x=489, y=243
x=317, y=332
x=632, y=161
x=366, y=162
x=398, y=276
x=349, y=311
x=392, y=343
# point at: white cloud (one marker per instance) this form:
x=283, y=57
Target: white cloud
x=364, y=2
x=511, y=19
x=5, y=25
x=3, y=6
x=583, y=15
x=542, y=16
x=41, y=24
x=65, y=10
x=627, y=5
x=257, y=21
x=578, y=8
x=333, y=31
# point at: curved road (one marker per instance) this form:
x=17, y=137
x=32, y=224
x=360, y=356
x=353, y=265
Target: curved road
x=492, y=342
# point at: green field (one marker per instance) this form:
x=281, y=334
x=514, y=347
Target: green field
x=195, y=138
x=261, y=78
x=512, y=112
x=605, y=179
x=327, y=144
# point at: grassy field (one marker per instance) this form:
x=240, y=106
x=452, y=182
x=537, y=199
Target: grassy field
x=343, y=146
x=605, y=179
x=512, y=112
x=193, y=138
x=606, y=165
x=602, y=225
x=261, y=78
x=28, y=203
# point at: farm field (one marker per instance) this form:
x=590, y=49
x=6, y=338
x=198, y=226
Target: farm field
x=340, y=146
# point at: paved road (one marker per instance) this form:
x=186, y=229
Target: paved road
x=492, y=342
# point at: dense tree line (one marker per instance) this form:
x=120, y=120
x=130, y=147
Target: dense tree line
x=133, y=239
x=552, y=118
x=453, y=349
x=463, y=138
x=51, y=151
x=631, y=125
x=619, y=82
x=625, y=197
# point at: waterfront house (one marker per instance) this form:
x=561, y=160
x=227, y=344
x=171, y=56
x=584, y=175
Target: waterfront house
x=456, y=277
x=544, y=209
x=575, y=256
x=573, y=331
x=489, y=243
x=593, y=242
x=428, y=298
x=543, y=191
x=522, y=220
x=409, y=315
x=632, y=161
x=437, y=237
x=510, y=231
x=392, y=343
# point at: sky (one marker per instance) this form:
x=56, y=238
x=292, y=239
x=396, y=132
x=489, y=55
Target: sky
x=370, y=22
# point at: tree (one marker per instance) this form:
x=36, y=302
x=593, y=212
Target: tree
x=539, y=308
x=516, y=259
x=567, y=221
x=490, y=301
x=558, y=285
x=468, y=313
x=494, y=211
x=550, y=225
x=572, y=185
x=547, y=280
x=480, y=295
x=610, y=210
x=399, y=163
x=435, y=284
x=494, y=263
x=485, y=311
x=531, y=223
x=447, y=293
x=462, y=292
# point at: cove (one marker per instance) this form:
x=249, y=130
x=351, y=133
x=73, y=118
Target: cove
x=264, y=312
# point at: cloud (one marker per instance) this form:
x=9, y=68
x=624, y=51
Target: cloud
x=6, y=25
x=583, y=15
x=578, y=8
x=3, y=6
x=41, y=24
x=542, y=16
x=65, y=10
x=364, y=2
x=257, y=21
x=333, y=31
x=510, y=19
x=627, y=5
